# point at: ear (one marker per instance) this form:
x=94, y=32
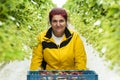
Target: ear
x=67, y=24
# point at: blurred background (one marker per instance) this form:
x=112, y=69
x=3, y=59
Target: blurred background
x=97, y=21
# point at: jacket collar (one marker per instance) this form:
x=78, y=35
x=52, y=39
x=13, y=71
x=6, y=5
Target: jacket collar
x=49, y=33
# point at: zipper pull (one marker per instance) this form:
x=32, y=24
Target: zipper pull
x=58, y=46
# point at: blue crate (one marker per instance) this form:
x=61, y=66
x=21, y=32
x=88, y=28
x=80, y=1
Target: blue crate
x=62, y=75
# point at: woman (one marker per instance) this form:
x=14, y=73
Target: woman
x=59, y=48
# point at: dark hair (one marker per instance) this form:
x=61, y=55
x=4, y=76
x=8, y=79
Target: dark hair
x=58, y=11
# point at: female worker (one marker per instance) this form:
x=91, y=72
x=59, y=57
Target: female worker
x=59, y=48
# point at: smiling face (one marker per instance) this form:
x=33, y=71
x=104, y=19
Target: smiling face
x=58, y=24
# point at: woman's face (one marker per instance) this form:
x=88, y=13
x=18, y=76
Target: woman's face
x=58, y=24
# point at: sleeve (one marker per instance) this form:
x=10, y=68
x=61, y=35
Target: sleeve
x=37, y=56
x=80, y=54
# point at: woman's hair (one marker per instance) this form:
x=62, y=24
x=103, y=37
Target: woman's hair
x=58, y=11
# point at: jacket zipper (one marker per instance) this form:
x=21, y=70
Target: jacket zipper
x=59, y=55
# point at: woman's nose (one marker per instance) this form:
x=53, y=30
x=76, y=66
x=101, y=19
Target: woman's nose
x=58, y=23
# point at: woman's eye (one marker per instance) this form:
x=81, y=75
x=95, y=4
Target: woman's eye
x=61, y=21
x=54, y=21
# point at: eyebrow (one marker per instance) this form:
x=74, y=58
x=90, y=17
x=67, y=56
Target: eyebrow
x=58, y=20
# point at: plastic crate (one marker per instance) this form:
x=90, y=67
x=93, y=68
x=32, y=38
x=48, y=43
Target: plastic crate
x=62, y=75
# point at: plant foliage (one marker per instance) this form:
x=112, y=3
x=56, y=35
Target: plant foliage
x=99, y=22
x=20, y=22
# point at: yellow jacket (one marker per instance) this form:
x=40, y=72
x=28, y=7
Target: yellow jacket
x=70, y=55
